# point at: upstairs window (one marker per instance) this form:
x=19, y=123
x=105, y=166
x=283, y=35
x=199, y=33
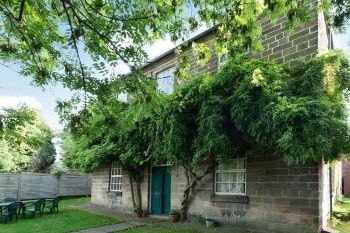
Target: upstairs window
x=123, y=97
x=116, y=178
x=230, y=177
x=165, y=80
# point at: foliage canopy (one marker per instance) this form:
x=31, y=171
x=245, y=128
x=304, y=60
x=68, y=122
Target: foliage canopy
x=22, y=133
x=80, y=43
x=298, y=113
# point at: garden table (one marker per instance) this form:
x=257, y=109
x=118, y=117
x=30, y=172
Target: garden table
x=3, y=205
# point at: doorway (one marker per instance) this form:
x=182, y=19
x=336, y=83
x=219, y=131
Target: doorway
x=161, y=190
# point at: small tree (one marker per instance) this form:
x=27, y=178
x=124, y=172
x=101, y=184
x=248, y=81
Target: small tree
x=45, y=158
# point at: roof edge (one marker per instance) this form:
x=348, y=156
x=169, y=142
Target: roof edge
x=171, y=51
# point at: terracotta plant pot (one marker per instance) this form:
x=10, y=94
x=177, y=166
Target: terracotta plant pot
x=139, y=214
x=174, y=217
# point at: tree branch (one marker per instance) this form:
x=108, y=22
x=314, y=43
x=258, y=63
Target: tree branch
x=76, y=50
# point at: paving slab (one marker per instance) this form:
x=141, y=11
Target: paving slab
x=113, y=228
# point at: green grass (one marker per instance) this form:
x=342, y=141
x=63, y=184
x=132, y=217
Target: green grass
x=67, y=220
x=341, y=215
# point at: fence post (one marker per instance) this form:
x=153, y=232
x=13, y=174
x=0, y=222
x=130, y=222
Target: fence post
x=58, y=186
x=87, y=184
x=19, y=186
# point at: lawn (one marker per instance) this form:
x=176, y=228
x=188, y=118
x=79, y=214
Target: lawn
x=67, y=220
x=341, y=215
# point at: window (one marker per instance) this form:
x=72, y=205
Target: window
x=230, y=177
x=223, y=59
x=123, y=97
x=165, y=80
x=116, y=181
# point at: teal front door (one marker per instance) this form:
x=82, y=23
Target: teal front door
x=161, y=189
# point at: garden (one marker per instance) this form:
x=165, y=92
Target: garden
x=68, y=219
x=341, y=215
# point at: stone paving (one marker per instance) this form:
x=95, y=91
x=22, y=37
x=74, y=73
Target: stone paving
x=128, y=221
x=113, y=228
x=123, y=217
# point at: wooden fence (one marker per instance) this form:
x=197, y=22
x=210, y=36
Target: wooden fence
x=36, y=185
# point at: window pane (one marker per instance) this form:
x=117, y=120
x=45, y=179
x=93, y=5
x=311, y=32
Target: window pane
x=239, y=188
x=231, y=177
x=226, y=177
x=218, y=177
x=240, y=177
x=219, y=188
x=240, y=163
x=226, y=188
x=165, y=81
x=116, y=177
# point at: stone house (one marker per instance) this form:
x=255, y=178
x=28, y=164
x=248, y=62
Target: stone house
x=257, y=191
x=346, y=178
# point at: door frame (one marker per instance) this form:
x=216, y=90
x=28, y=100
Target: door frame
x=150, y=193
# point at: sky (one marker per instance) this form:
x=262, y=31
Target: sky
x=15, y=88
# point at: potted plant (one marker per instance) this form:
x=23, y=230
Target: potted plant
x=145, y=213
x=138, y=211
x=174, y=215
x=210, y=223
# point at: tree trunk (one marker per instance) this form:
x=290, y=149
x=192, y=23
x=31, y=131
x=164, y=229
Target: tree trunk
x=138, y=193
x=192, y=181
x=132, y=192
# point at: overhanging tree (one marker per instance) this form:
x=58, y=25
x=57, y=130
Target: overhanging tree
x=51, y=39
x=299, y=113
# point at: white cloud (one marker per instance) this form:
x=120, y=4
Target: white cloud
x=15, y=101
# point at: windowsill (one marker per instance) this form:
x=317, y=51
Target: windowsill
x=114, y=193
x=230, y=198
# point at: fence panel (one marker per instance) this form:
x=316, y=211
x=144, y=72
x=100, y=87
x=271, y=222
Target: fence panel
x=36, y=185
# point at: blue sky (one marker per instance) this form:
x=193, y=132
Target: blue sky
x=14, y=88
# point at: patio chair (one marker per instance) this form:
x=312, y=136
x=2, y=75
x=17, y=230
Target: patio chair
x=11, y=210
x=52, y=205
x=6, y=200
x=34, y=207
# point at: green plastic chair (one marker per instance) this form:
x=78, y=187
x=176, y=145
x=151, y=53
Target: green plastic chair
x=6, y=200
x=11, y=210
x=34, y=207
x=52, y=205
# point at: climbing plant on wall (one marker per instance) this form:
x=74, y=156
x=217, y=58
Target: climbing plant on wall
x=299, y=113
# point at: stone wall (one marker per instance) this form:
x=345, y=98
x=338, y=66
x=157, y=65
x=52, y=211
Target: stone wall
x=289, y=47
x=120, y=201
x=280, y=198
x=346, y=177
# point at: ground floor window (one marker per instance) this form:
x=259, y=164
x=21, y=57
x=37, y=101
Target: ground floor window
x=230, y=177
x=116, y=177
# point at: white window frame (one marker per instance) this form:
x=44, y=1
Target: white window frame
x=222, y=59
x=232, y=171
x=122, y=97
x=116, y=172
x=172, y=76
